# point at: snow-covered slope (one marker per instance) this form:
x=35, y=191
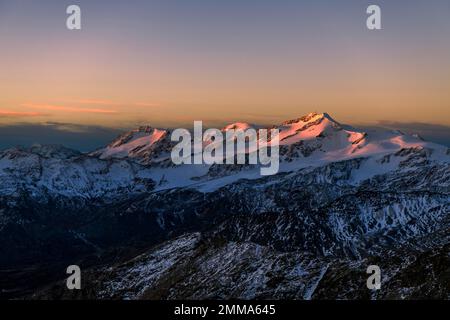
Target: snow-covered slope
x=48, y=171
x=324, y=138
x=310, y=141
x=143, y=156
x=341, y=197
x=144, y=144
x=312, y=135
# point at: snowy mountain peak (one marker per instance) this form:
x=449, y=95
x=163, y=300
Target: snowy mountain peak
x=328, y=117
x=311, y=140
x=144, y=134
x=313, y=126
x=310, y=118
x=136, y=143
x=238, y=126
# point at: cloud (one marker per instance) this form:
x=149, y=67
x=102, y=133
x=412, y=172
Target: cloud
x=68, y=109
x=18, y=114
x=95, y=101
x=80, y=137
x=69, y=127
x=415, y=125
x=432, y=132
x=112, y=103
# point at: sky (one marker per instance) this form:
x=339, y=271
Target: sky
x=167, y=63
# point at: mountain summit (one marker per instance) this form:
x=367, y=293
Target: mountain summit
x=315, y=137
x=343, y=199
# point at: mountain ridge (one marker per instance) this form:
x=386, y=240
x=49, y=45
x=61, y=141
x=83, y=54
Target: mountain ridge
x=341, y=199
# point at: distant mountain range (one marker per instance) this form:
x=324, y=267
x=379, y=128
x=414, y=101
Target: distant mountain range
x=141, y=227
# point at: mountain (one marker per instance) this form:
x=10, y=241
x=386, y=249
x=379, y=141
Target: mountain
x=43, y=172
x=312, y=140
x=144, y=144
x=141, y=227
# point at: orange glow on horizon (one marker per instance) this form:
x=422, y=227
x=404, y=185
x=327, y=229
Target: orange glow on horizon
x=67, y=108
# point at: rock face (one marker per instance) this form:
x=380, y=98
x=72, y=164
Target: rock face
x=142, y=229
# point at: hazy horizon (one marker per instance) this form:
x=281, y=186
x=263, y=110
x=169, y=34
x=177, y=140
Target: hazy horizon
x=89, y=137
